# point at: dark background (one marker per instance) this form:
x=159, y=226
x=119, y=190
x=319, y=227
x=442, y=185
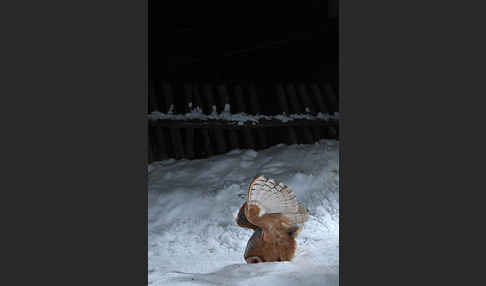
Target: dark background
x=200, y=45
x=264, y=41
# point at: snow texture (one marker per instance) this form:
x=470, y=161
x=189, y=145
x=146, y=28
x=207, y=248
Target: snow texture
x=239, y=118
x=192, y=235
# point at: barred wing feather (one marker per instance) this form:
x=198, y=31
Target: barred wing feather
x=273, y=197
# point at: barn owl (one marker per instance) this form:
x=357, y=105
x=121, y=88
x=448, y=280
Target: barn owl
x=276, y=217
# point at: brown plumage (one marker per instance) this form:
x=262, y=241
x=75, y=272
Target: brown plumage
x=276, y=217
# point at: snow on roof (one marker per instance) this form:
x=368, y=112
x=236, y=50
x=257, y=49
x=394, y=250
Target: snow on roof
x=242, y=117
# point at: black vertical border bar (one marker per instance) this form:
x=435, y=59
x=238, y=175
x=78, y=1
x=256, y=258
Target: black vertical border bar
x=75, y=197
x=407, y=179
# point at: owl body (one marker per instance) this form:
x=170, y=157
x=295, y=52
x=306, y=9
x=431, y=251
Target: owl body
x=276, y=218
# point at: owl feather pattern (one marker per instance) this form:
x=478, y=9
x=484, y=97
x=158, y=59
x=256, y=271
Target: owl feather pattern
x=275, y=215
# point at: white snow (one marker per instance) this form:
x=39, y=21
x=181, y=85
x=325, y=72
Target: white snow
x=240, y=118
x=214, y=112
x=227, y=108
x=192, y=236
x=171, y=109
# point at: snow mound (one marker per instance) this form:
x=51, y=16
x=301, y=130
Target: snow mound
x=192, y=236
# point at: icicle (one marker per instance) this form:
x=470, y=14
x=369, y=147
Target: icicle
x=171, y=109
x=214, y=112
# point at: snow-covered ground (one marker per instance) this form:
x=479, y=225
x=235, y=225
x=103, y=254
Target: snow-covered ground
x=192, y=236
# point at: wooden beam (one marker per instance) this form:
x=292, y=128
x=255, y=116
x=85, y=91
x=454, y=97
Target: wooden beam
x=282, y=101
x=189, y=143
x=232, y=125
x=304, y=96
x=331, y=97
x=168, y=95
x=318, y=98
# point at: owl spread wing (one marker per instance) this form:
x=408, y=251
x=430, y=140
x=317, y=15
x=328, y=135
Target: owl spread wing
x=241, y=219
x=266, y=196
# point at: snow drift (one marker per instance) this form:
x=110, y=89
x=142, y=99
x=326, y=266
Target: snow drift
x=192, y=235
